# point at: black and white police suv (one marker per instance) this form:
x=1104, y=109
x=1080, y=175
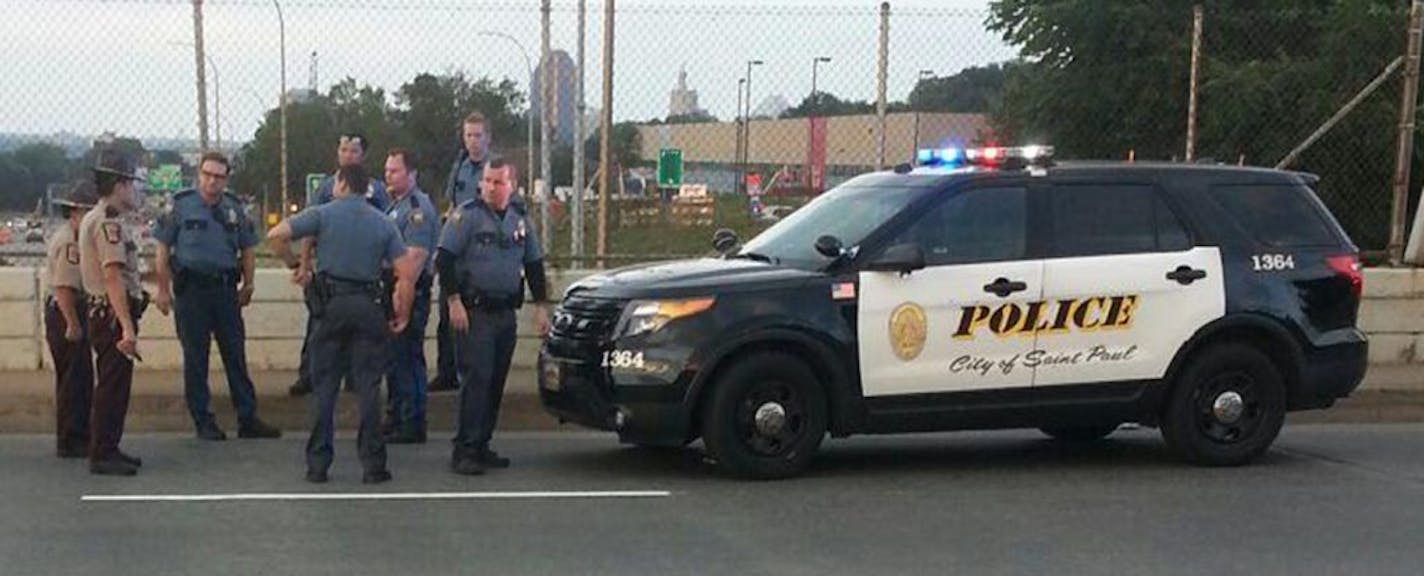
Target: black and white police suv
x=985, y=289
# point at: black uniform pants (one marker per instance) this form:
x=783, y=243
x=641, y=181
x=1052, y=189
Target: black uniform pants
x=483, y=354
x=115, y=380
x=351, y=337
x=73, y=378
x=203, y=313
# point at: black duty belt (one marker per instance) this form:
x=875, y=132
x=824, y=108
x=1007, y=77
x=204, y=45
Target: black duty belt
x=491, y=303
x=197, y=279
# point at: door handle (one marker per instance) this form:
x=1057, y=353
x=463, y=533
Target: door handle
x=1185, y=275
x=1003, y=287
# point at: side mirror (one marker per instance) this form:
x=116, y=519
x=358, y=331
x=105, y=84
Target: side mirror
x=830, y=246
x=902, y=258
x=725, y=241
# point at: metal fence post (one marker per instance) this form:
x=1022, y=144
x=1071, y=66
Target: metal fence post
x=605, y=133
x=576, y=201
x=199, y=60
x=1408, y=103
x=1191, y=152
x=546, y=102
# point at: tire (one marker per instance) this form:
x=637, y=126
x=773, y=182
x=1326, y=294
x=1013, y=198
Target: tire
x=754, y=384
x=1198, y=423
x=1081, y=434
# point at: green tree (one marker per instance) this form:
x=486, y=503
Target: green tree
x=431, y=110
x=1099, y=79
x=974, y=90
x=824, y=104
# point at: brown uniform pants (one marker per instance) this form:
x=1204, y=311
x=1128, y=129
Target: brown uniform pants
x=111, y=395
x=73, y=379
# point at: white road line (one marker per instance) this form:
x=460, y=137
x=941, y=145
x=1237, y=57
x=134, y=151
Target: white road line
x=376, y=496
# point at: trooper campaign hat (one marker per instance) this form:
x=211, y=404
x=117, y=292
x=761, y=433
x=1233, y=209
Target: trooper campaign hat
x=116, y=163
x=82, y=195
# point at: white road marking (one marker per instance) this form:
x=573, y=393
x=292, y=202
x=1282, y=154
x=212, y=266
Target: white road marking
x=376, y=496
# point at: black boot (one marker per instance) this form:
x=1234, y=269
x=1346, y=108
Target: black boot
x=209, y=431
x=112, y=466
x=258, y=429
x=301, y=388
x=408, y=433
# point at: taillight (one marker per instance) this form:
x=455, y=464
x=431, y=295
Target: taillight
x=1348, y=266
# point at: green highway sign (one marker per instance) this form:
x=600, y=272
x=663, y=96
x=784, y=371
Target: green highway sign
x=314, y=182
x=670, y=168
x=166, y=178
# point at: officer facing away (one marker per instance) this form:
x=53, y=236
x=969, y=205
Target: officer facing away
x=463, y=185
x=353, y=323
x=66, y=309
x=415, y=217
x=204, y=248
x=108, y=264
x=489, y=242
x=351, y=150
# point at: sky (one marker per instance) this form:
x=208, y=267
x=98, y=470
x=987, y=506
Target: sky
x=128, y=66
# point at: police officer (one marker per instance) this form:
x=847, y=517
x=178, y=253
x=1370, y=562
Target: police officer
x=415, y=217
x=65, y=314
x=353, y=326
x=462, y=186
x=489, y=242
x=108, y=264
x=204, y=247
x=351, y=150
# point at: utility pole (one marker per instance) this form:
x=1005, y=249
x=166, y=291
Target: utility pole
x=579, y=135
x=737, y=146
x=1191, y=152
x=747, y=127
x=1410, y=101
x=815, y=102
x=200, y=59
x=915, y=136
x=282, y=103
x=546, y=100
x=881, y=78
x=605, y=139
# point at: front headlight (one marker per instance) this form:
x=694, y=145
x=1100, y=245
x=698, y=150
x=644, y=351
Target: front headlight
x=648, y=316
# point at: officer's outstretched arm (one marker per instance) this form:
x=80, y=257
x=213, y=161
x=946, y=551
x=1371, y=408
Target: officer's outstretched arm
x=279, y=239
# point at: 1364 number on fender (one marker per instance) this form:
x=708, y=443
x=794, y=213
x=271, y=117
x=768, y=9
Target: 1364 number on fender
x=623, y=359
x=1272, y=262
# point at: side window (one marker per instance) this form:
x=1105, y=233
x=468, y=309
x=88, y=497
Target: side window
x=1097, y=220
x=979, y=225
x=1280, y=216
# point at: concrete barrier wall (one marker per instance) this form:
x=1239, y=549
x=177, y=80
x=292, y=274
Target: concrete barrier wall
x=1392, y=314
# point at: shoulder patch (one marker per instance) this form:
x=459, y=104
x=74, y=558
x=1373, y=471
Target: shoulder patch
x=417, y=217
x=71, y=253
x=113, y=233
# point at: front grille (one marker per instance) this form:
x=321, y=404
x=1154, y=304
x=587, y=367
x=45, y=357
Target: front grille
x=583, y=318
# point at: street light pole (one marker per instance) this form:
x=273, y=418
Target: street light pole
x=528, y=64
x=202, y=76
x=737, y=145
x=916, y=144
x=282, y=101
x=217, y=92
x=747, y=131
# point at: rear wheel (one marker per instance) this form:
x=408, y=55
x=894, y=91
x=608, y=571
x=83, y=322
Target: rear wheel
x=1080, y=434
x=1226, y=408
x=766, y=416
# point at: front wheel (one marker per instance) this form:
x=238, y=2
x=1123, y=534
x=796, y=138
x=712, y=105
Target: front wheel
x=766, y=416
x=1227, y=407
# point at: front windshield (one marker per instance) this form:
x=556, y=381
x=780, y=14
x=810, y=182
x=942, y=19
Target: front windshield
x=850, y=213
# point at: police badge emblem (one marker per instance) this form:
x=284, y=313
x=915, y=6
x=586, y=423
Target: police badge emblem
x=112, y=232
x=909, y=328
x=519, y=231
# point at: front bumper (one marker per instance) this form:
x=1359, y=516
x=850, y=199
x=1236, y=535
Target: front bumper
x=575, y=387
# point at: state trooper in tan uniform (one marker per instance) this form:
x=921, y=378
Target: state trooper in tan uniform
x=65, y=315
x=108, y=257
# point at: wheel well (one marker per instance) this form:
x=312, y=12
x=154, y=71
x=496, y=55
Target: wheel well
x=1274, y=345
x=824, y=376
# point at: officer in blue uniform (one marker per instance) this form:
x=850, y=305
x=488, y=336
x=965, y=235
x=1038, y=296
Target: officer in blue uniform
x=350, y=151
x=354, y=320
x=484, y=248
x=462, y=186
x=205, y=246
x=415, y=216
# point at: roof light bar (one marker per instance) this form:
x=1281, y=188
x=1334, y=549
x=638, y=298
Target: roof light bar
x=988, y=156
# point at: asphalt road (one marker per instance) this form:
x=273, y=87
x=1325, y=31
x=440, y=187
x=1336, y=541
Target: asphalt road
x=1328, y=500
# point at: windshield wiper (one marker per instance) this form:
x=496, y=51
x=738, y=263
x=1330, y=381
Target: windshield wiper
x=754, y=256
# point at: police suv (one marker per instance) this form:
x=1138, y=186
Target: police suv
x=985, y=289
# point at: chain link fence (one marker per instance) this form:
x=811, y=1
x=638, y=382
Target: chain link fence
x=766, y=105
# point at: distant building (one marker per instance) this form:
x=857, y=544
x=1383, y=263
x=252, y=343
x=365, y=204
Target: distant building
x=682, y=101
x=564, y=81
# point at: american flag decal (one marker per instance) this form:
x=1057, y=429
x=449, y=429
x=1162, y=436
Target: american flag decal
x=843, y=291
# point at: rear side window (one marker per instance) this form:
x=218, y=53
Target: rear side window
x=1104, y=219
x=1276, y=215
